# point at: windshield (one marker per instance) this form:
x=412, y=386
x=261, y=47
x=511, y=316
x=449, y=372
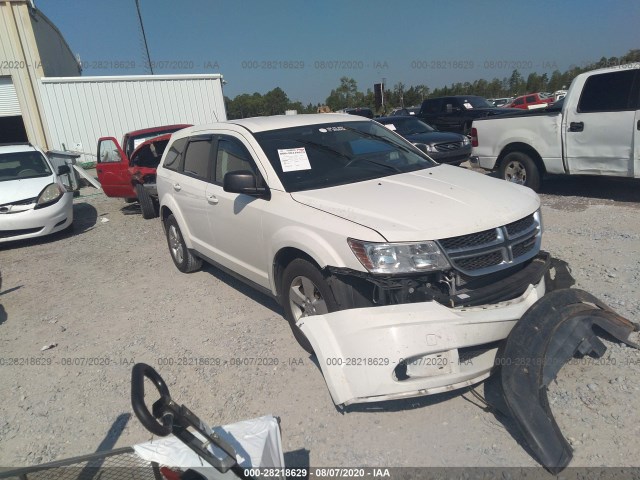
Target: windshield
x=406, y=126
x=476, y=102
x=326, y=155
x=135, y=142
x=21, y=165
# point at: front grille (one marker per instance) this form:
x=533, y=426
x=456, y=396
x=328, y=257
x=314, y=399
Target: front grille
x=27, y=201
x=519, y=226
x=465, y=241
x=492, y=250
x=15, y=233
x=480, y=261
x=448, y=147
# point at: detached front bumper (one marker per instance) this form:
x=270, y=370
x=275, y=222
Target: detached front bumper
x=401, y=351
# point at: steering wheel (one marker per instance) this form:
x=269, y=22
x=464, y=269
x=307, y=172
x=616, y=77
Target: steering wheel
x=27, y=172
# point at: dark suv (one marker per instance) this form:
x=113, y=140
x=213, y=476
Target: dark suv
x=455, y=113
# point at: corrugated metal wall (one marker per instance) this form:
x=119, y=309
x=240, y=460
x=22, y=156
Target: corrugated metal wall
x=9, y=105
x=79, y=110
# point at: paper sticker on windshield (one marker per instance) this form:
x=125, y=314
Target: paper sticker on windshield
x=137, y=142
x=391, y=127
x=467, y=105
x=332, y=129
x=294, y=159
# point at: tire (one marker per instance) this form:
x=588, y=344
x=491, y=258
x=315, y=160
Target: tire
x=184, y=260
x=147, y=204
x=519, y=167
x=305, y=292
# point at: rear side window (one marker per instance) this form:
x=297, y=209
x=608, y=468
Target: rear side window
x=530, y=99
x=519, y=101
x=608, y=92
x=197, y=158
x=174, y=155
x=431, y=106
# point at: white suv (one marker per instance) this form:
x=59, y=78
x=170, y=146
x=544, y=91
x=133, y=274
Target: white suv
x=381, y=258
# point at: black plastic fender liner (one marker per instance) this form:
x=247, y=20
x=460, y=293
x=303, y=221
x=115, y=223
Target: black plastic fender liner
x=549, y=334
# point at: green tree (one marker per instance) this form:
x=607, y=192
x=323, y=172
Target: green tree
x=344, y=96
x=275, y=102
x=516, y=82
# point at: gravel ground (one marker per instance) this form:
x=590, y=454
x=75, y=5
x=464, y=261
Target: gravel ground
x=108, y=295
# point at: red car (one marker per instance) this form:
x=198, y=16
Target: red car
x=131, y=173
x=531, y=101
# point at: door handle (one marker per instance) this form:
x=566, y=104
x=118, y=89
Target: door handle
x=212, y=199
x=177, y=187
x=576, y=126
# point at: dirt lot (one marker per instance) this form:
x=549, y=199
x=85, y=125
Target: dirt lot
x=109, y=295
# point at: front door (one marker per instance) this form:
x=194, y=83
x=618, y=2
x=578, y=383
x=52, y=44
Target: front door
x=113, y=169
x=235, y=219
x=599, y=131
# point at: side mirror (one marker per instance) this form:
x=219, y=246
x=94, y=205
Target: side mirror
x=245, y=182
x=64, y=169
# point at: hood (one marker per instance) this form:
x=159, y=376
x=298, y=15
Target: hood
x=430, y=204
x=22, y=189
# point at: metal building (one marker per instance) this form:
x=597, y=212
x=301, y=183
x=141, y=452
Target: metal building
x=31, y=47
x=43, y=99
x=79, y=110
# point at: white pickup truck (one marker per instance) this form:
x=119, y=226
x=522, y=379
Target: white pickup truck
x=594, y=130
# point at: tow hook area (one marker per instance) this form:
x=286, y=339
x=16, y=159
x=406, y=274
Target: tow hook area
x=557, y=327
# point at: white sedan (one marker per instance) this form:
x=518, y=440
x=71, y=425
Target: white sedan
x=33, y=200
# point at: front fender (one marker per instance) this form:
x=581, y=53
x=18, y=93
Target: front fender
x=550, y=333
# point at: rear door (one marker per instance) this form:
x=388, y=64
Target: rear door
x=600, y=130
x=450, y=116
x=113, y=169
x=190, y=188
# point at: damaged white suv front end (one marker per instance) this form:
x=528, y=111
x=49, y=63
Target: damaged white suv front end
x=400, y=274
x=469, y=293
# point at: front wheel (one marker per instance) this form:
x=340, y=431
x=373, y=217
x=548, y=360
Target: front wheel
x=305, y=293
x=184, y=260
x=519, y=167
x=147, y=204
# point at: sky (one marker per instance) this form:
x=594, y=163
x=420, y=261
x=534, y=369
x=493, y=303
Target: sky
x=305, y=47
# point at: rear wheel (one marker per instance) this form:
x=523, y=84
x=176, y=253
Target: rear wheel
x=147, y=204
x=184, y=260
x=305, y=293
x=519, y=167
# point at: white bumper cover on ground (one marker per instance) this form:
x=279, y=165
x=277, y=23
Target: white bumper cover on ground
x=359, y=349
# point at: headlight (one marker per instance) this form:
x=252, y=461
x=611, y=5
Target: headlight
x=50, y=195
x=465, y=141
x=538, y=216
x=426, y=147
x=399, y=257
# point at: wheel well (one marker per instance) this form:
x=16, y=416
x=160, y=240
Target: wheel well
x=164, y=213
x=282, y=259
x=524, y=148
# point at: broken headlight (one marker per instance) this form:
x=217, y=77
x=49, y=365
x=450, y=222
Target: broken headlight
x=399, y=257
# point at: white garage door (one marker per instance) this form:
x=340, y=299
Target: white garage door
x=9, y=105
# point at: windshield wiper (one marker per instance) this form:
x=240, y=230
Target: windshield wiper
x=378, y=137
x=323, y=147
